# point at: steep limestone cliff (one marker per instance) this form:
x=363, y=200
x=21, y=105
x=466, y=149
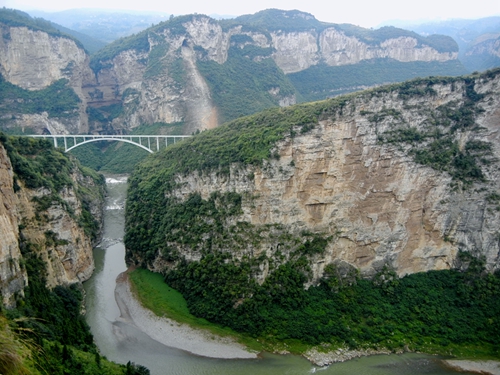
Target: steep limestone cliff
x=156, y=75
x=191, y=70
x=34, y=60
x=54, y=224
x=12, y=277
x=298, y=51
x=405, y=176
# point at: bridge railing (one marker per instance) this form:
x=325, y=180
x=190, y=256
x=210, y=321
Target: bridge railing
x=150, y=143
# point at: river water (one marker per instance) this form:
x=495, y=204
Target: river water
x=122, y=342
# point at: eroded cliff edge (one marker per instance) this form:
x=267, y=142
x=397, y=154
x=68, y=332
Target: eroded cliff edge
x=193, y=72
x=404, y=176
x=50, y=206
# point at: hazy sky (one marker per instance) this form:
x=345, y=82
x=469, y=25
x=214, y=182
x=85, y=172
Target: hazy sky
x=367, y=13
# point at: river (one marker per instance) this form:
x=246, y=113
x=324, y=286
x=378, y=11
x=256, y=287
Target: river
x=121, y=342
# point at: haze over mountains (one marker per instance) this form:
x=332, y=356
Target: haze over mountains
x=478, y=40
x=109, y=25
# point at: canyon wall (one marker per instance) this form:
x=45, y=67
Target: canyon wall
x=392, y=177
x=156, y=77
x=48, y=223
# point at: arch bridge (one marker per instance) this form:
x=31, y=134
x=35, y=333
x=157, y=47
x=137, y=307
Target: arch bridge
x=150, y=143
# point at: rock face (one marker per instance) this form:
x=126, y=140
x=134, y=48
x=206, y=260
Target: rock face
x=350, y=179
x=298, y=51
x=34, y=60
x=155, y=76
x=163, y=83
x=12, y=277
x=52, y=231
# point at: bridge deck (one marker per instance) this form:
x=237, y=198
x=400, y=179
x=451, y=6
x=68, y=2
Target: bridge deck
x=150, y=143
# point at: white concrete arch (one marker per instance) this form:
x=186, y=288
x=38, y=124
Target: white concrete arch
x=109, y=139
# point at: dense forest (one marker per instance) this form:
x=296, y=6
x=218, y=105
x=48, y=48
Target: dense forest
x=448, y=312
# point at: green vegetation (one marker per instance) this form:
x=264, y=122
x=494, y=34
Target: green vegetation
x=58, y=100
x=119, y=157
x=454, y=312
x=101, y=59
x=37, y=164
x=16, y=18
x=243, y=85
x=46, y=329
x=154, y=294
x=113, y=157
x=140, y=43
x=105, y=114
x=157, y=296
x=247, y=140
x=49, y=331
x=155, y=65
x=275, y=19
x=435, y=142
x=448, y=312
x=322, y=81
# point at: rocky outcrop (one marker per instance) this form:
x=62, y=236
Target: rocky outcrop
x=377, y=203
x=52, y=230
x=297, y=51
x=163, y=83
x=13, y=278
x=34, y=60
x=154, y=77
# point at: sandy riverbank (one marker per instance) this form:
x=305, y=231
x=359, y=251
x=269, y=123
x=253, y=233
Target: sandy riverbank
x=171, y=333
x=479, y=367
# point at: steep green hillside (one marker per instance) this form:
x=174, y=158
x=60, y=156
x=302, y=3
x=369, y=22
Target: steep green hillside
x=322, y=81
x=58, y=100
x=214, y=257
x=242, y=86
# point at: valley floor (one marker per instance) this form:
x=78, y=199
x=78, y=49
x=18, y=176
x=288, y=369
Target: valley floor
x=207, y=344
x=171, y=333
